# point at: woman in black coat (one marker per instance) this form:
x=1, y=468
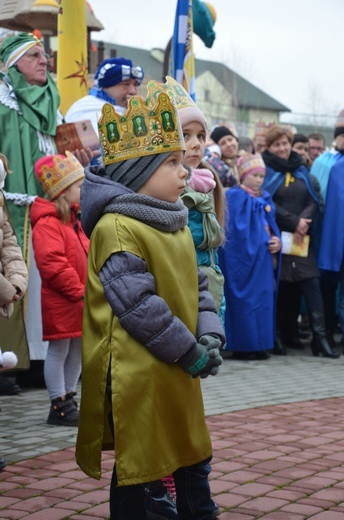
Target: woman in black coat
x=292, y=190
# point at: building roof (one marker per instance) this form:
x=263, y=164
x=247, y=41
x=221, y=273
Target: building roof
x=24, y=15
x=247, y=95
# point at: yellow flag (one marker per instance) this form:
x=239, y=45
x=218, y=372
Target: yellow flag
x=71, y=52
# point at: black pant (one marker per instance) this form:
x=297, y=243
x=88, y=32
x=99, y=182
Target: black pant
x=192, y=489
x=288, y=304
x=329, y=281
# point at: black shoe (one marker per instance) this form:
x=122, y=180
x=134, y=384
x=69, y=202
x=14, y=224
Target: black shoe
x=70, y=396
x=217, y=511
x=304, y=334
x=279, y=349
x=63, y=413
x=7, y=387
x=2, y=464
x=294, y=343
x=159, y=503
x=243, y=356
x=330, y=339
x=262, y=354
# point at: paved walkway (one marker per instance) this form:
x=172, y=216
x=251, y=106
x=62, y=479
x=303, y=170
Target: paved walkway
x=277, y=428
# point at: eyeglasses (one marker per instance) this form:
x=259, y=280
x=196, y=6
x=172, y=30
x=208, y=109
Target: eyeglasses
x=36, y=55
x=317, y=148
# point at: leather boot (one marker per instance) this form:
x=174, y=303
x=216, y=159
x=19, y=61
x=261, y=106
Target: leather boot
x=295, y=343
x=330, y=338
x=279, y=349
x=319, y=342
x=63, y=413
x=70, y=395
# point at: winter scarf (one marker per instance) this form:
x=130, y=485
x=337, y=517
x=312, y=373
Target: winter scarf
x=282, y=165
x=161, y=215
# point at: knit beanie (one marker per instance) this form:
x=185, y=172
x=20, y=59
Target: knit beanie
x=14, y=47
x=115, y=70
x=250, y=163
x=219, y=132
x=192, y=114
x=339, y=128
x=133, y=173
x=57, y=172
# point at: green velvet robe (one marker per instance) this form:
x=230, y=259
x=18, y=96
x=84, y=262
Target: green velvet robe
x=27, y=125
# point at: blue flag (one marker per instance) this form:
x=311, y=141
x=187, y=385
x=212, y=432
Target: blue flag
x=182, y=62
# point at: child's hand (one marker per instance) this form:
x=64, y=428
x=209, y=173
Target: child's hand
x=199, y=361
x=274, y=245
x=17, y=295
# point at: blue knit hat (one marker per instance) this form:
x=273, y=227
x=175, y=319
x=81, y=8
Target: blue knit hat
x=115, y=70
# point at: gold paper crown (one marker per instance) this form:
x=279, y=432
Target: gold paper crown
x=262, y=127
x=57, y=172
x=176, y=92
x=147, y=127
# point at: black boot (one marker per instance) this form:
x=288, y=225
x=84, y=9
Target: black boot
x=7, y=387
x=279, y=349
x=70, y=395
x=63, y=413
x=295, y=343
x=330, y=338
x=319, y=342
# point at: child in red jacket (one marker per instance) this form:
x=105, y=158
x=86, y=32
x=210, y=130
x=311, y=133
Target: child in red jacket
x=60, y=249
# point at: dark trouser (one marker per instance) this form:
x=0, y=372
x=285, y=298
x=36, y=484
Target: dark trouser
x=288, y=303
x=192, y=489
x=329, y=284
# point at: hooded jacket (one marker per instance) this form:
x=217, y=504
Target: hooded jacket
x=61, y=256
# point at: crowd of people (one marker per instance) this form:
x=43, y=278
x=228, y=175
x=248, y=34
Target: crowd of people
x=150, y=259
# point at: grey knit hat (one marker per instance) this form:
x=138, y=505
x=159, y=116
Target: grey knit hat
x=133, y=173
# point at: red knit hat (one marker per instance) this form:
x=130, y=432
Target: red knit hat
x=57, y=172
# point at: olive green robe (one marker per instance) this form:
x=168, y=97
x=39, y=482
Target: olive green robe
x=157, y=408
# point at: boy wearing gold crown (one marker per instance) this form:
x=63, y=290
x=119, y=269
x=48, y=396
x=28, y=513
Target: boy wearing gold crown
x=150, y=326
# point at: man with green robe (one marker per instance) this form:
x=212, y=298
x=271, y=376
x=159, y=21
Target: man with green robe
x=29, y=115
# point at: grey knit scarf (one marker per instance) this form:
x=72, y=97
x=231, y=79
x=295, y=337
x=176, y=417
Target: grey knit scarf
x=161, y=215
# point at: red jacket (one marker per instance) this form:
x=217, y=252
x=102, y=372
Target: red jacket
x=61, y=257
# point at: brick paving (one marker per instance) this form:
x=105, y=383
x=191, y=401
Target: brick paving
x=277, y=428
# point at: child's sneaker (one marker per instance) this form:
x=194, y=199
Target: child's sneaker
x=159, y=502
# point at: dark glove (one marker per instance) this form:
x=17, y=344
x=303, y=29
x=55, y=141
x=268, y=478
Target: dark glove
x=210, y=341
x=200, y=360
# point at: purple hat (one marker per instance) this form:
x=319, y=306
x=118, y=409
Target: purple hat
x=115, y=70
